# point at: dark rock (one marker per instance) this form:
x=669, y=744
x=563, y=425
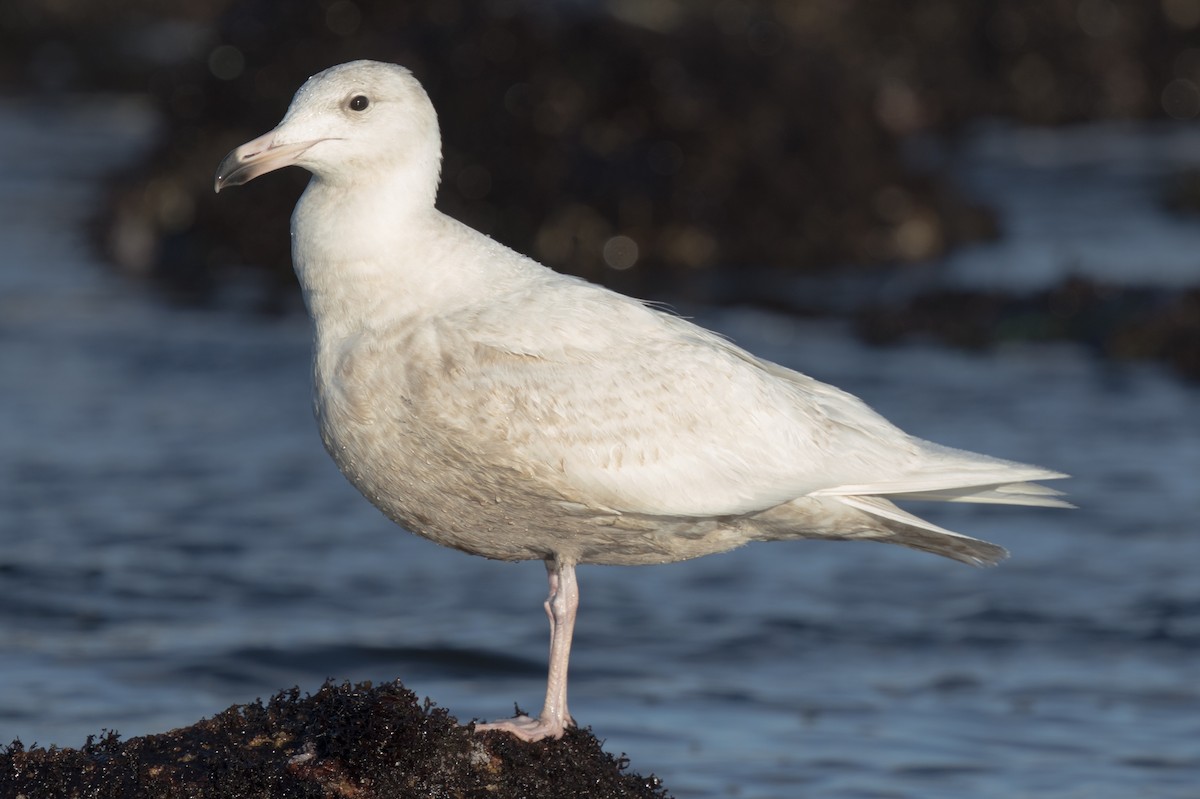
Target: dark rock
x=705, y=137
x=345, y=741
x=1115, y=322
x=703, y=142
x=1182, y=193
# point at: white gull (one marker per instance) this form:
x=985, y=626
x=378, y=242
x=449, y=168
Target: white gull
x=492, y=405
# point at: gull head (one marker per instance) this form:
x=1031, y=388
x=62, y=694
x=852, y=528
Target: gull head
x=350, y=124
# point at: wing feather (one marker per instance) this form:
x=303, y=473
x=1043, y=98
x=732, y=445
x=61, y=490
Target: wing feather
x=619, y=406
x=639, y=411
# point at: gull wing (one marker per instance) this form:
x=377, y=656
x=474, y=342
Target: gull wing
x=623, y=407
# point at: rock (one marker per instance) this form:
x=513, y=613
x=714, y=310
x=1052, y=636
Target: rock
x=345, y=741
x=658, y=155
x=1115, y=322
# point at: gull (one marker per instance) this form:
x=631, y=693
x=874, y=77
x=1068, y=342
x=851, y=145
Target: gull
x=492, y=405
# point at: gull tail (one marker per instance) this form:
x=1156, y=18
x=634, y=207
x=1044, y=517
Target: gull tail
x=897, y=526
x=950, y=475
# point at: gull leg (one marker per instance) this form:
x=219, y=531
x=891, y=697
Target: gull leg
x=561, y=606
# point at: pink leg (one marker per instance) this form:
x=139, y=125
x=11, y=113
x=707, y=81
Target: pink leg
x=561, y=606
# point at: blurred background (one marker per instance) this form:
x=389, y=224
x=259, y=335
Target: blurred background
x=982, y=217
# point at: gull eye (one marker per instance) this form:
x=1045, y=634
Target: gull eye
x=359, y=102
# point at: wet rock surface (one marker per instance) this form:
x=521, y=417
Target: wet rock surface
x=353, y=741
x=628, y=153
x=1112, y=321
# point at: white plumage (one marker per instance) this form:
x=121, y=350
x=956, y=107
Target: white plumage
x=493, y=405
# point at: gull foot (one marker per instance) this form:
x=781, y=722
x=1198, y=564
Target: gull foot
x=528, y=729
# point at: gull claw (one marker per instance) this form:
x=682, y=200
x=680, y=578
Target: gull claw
x=528, y=728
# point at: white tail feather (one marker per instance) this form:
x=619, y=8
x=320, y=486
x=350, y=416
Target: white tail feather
x=901, y=527
x=950, y=475
x=878, y=506
x=1004, y=494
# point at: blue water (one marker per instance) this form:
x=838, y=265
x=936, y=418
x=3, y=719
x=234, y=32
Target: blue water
x=174, y=540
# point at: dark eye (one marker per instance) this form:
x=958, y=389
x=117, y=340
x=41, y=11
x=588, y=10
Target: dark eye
x=359, y=102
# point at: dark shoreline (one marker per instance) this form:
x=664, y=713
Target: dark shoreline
x=710, y=136
x=353, y=741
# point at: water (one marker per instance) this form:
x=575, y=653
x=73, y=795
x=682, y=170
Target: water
x=176, y=541
x=1084, y=201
